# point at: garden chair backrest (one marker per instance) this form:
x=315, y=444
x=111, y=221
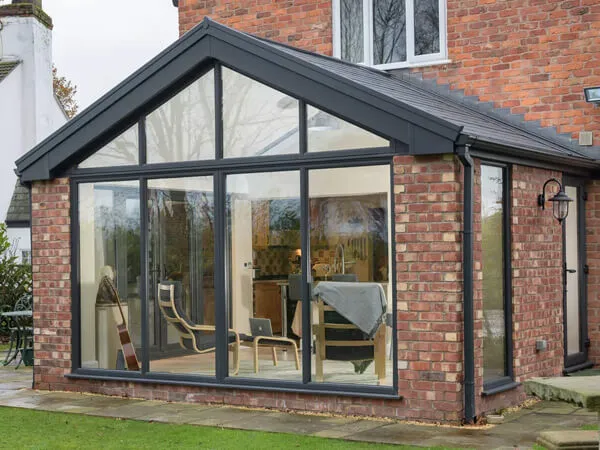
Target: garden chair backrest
x=25, y=303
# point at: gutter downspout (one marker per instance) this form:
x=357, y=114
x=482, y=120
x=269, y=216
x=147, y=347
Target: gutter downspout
x=462, y=151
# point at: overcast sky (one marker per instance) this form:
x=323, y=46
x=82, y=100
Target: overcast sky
x=98, y=43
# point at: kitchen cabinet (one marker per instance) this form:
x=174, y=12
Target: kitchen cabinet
x=260, y=224
x=267, y=303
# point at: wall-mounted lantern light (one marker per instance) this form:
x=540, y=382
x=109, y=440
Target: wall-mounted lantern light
x=560, y=202
x=592, y=94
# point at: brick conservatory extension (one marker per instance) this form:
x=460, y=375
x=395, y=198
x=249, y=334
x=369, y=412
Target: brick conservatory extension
x=271, y=227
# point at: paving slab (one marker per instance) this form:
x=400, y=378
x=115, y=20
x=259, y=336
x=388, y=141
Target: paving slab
x=349, y=428
x=584, y=391
x=577, y=440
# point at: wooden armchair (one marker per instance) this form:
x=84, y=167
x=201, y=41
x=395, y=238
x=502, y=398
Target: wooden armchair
x=195, y=337
x=340, y=340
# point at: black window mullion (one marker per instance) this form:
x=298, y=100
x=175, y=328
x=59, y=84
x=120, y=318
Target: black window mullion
x=76, y=282
x=144, y=260
x=302, y=127
x=306, y=276
x=507, y=244
x=221, y=299
x=142, y=141
x=218, y=74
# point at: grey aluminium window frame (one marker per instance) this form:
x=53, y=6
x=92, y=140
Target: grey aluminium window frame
x=507, y=381
x=219, y=168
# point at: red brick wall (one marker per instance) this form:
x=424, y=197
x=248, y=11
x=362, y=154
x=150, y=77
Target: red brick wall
x=302, y=23
x=537, y=277
x=429, y=286
x=532, y=56
x=51, y=264
x=593, y=259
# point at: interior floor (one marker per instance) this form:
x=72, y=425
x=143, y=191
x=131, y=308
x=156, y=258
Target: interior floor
x=333, y=371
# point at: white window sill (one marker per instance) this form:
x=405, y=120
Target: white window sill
x=408, y=65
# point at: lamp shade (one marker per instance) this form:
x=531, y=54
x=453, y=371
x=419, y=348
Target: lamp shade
x=560, y=205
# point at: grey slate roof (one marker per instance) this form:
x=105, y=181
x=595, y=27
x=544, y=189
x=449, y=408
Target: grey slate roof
x=478, y=119
x=6, y=67
x=19, y=211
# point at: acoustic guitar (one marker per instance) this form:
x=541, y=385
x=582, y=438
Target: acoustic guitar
x=128, y=350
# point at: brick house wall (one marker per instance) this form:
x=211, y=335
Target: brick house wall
x=592, y=223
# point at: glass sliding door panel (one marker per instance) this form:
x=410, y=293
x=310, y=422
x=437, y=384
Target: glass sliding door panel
x=572, y=261
x=264, y=271
x=109, y=271
x=351, y=255
x=181, y=254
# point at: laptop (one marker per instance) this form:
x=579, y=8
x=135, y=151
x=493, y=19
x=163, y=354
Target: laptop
x=261, y=327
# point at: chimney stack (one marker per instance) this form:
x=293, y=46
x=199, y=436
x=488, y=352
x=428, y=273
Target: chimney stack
x=26, y=8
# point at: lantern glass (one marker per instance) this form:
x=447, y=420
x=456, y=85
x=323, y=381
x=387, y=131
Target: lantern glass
x=560, y=209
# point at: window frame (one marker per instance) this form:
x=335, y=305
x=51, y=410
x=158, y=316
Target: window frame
x=505, y=382
x=412, y=60
x=219, y=168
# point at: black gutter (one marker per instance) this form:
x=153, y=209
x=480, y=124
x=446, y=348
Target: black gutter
x=176, y=3
x=462, y=151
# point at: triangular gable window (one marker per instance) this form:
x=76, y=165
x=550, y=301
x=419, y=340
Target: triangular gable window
x=121, y=151
x=183, y=128
x=327, y=133
x=257, y=120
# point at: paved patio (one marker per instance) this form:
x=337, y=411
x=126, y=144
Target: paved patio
x=520, y=429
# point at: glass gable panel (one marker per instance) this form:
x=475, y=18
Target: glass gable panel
x=183, y=129
x=257, y=120
x=121, y=151
x=327, y=132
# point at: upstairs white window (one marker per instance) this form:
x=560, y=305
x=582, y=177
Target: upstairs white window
x=390, y=34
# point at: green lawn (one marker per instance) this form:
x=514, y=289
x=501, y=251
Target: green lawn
x=22, y=428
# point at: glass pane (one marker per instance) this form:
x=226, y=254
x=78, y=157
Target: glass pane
x=183, y=129
x=121, y=151
x=109, y=265
x=572, y=256
x=492, y=231
x=327, y=132
x=257, y=120
x=427, y=27
x=351, y=30
x=351, y=262
x=389, y=31
x=181, y=259
x=263, y=216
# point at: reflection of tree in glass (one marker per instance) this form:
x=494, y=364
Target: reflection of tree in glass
x=123, y=150
x=183, y=128
x=427, y=27
x=389, y=33
x=256, y=118
x=351, y=20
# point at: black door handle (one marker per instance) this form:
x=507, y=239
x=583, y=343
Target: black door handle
x=570, y=270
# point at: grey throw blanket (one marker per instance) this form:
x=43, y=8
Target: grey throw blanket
x=363, y=304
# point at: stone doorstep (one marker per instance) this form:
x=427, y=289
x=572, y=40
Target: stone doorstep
x=571, y=440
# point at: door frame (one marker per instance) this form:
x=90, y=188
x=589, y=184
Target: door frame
x=577, y=361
